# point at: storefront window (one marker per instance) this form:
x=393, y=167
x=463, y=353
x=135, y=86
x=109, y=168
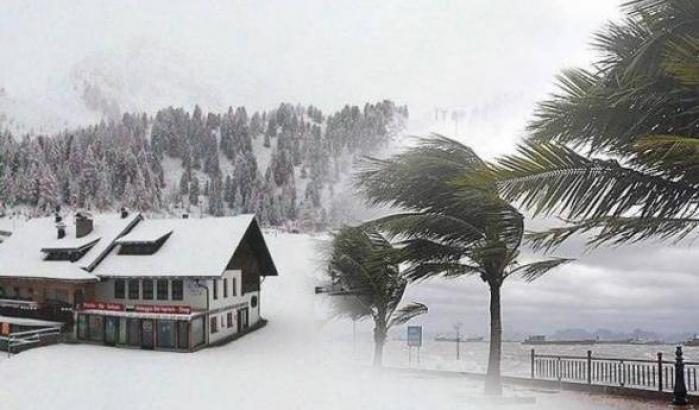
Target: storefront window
x=111, y=330
x=198, y=331
x=182, y=335
x=229, y=319
x=166, y=334
x=122, y=331
x=96, y=328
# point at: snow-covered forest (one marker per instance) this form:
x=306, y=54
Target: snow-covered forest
x=285, y=165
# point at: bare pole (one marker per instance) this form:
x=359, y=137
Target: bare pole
x=457, y=328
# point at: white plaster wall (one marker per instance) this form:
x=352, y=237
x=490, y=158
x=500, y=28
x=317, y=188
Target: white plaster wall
x=193, y=295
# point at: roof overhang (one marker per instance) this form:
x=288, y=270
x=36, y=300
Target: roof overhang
x=75, y=248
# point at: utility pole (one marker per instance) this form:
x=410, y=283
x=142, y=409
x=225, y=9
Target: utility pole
x=457, y=328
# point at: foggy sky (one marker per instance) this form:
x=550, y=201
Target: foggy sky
x=491, y=58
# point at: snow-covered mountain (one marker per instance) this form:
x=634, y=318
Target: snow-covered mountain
x=289, y=165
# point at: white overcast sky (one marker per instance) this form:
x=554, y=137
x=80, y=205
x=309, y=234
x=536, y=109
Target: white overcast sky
x=491, y=58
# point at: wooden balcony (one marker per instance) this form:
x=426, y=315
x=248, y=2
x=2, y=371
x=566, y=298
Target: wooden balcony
x=54, y=311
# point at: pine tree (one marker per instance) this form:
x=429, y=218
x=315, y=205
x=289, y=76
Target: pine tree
x=194, y=191
x=216, y=196
x=48, y=195
x=229, y=191
x=184, y=183
x=103, y=196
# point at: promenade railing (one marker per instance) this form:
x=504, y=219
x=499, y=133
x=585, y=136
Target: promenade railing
x=656, y=374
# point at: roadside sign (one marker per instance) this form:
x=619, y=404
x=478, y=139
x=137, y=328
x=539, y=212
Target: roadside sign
x=414, y=336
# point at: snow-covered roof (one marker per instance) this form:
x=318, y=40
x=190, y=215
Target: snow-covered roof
x=21, y=254
x=195, y=248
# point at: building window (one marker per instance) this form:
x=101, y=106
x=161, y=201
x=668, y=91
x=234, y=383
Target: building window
x=2, y=292
x=119, y=289
x=134, y=289
x=225, y=288
x=214, y=324
x=177, y=290
x=234, y=290
x=31, y=293
x=17, y=294
x=215, y=289
x=229, y=319
x=148, y=289
x=162, y=289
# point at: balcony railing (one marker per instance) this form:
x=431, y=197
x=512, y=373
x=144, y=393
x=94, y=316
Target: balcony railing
x=54, y=311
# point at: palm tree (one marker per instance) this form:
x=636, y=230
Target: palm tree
x=367, y=282
x=449, y=231
x=616, y=151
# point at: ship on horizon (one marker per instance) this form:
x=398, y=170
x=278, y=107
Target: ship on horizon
x=541, y=340
x=694, y=341
x=442, y=338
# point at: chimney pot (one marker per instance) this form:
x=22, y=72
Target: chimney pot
x=83, y=224
x=124, y=212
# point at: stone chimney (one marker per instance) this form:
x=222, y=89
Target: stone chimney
x=83, y=224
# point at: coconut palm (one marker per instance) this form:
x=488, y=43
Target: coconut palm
x=616, y=151
x=448, y=231
x=367, y=282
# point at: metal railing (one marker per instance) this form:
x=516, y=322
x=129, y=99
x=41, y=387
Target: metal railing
x=658, y=374
x=20, y=341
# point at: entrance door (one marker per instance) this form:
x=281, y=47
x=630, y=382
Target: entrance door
x=133, y=334
x=111, y=330
x=147, y=339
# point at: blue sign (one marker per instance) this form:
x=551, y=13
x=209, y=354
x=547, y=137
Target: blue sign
x=414, y=336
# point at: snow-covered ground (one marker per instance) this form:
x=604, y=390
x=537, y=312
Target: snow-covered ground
x=292, y=363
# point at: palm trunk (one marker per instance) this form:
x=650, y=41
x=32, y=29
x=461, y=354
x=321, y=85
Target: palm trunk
x=379, y=341
x=493, y=385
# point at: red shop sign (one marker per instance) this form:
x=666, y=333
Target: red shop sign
x=102, y=306
x=173, y=310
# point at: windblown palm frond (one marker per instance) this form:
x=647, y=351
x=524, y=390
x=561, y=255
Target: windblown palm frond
x=550, y=178
x=535, y=270
x=406, y=313
x=615, y=230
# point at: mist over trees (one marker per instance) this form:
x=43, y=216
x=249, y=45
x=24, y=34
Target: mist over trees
x=282, y=164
